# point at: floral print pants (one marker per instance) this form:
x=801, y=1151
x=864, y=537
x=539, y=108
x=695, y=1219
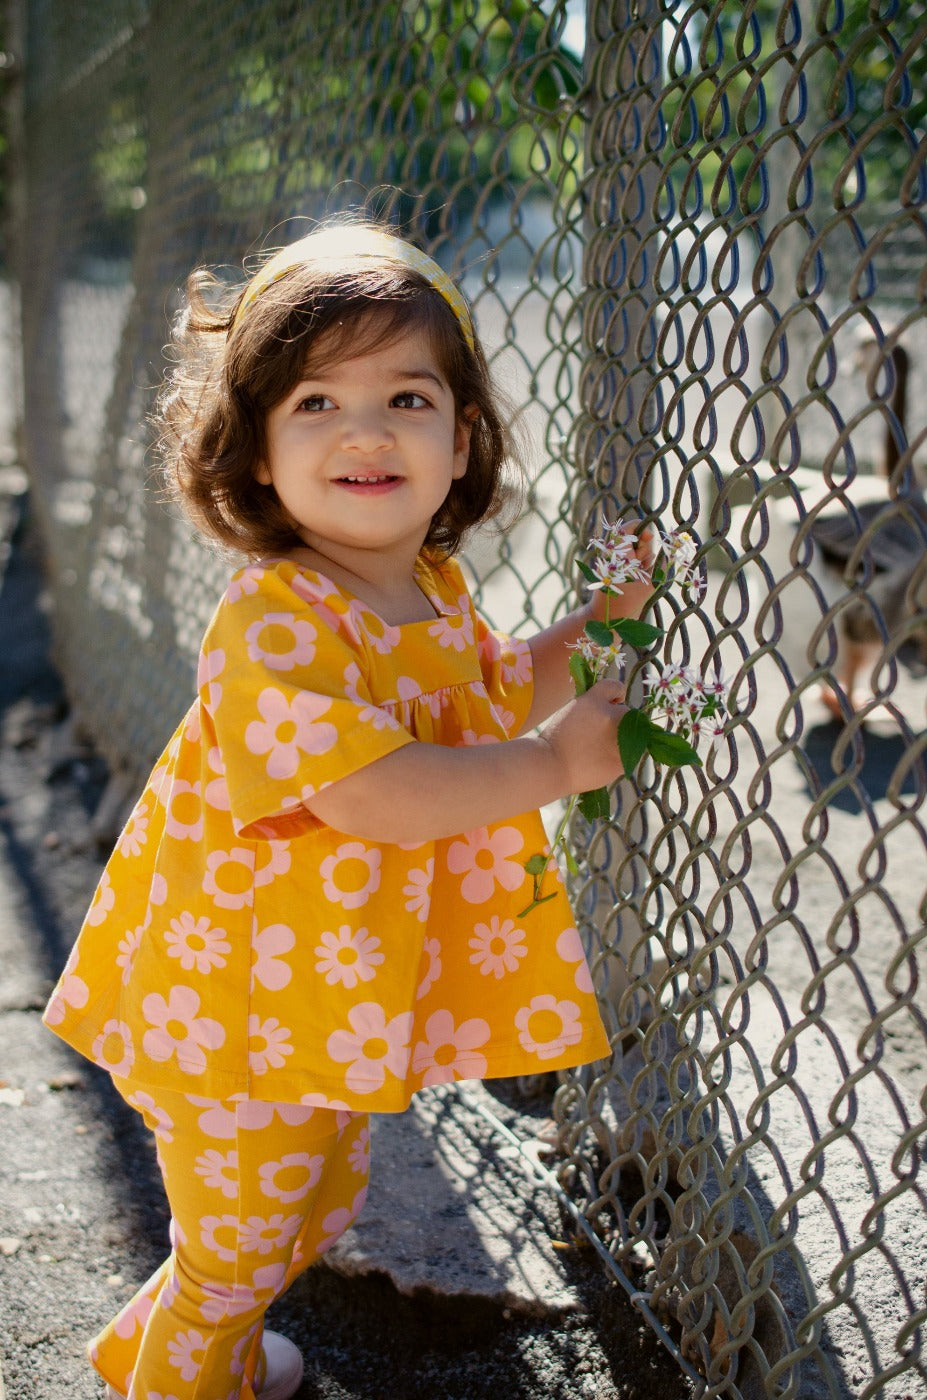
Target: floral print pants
x=257, y=1192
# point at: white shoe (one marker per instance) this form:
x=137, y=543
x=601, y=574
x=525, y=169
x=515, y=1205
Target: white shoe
x=279, y=1370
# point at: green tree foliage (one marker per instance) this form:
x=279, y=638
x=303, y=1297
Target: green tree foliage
x=457, y=100
x=847, y=76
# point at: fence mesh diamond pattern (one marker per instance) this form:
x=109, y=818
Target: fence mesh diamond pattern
x=694, y=236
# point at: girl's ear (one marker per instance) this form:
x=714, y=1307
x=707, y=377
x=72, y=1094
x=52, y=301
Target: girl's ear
x=462, y=434
x=262, y=474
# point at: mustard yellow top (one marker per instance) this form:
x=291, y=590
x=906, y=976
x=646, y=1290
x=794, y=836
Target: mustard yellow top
x=236, y=945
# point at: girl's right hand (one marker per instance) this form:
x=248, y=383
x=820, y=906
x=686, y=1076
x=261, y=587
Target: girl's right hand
x=584, y=737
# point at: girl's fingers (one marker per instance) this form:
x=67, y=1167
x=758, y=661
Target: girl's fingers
x=612, y=691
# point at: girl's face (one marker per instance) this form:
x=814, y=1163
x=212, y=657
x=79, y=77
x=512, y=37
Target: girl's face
x=362, y=453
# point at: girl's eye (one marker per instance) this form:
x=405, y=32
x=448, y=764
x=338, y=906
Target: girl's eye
x=409, y=399
x=315, y=403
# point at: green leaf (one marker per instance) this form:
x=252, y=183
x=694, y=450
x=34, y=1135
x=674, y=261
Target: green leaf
x=658, y=575
x=581, y=671
x=637, y=633
x=599, y=632
x=672, y=749
x=634, y=732
x=595, y=805
x=588, y=574
x=536, y=865
x=570, y=861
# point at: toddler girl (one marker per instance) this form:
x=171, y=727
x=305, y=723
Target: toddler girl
x=317, y=906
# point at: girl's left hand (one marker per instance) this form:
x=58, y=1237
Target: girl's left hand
x=634, y=597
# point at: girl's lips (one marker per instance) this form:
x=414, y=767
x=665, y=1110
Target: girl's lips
x=368, y=484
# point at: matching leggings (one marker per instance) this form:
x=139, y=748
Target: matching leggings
x=257, y=1192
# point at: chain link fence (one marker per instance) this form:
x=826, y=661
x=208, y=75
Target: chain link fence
x=694, y=235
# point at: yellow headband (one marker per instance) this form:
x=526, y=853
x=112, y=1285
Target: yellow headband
x=340, y=243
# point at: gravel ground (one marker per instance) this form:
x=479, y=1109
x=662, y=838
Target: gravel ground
x=82, y=1213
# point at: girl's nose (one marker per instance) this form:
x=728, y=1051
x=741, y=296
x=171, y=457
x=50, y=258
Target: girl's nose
x=366, y=430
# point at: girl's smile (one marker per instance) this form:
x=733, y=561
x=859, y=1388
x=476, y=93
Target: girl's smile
x=362, y=455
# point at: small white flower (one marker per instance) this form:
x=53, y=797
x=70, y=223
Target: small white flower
x=615, y=560
x=717, y=689
x=714, y=729
x=599, y=659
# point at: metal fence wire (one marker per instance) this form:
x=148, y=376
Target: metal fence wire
x=694, y=235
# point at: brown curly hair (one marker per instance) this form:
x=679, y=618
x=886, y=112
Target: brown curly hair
x=230, y=372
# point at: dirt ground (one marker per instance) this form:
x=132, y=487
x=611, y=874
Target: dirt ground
x=82, y=1214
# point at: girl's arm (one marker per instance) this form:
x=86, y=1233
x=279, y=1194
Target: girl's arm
x=553, y=685
x=423, y=792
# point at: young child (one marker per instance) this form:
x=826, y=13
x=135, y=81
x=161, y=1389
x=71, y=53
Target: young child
x=317, y=906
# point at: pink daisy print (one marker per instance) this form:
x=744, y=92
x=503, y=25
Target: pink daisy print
x=113, y=1049
x=454, y=629
x=187, y=1352
x=268, y=1044
x=570, y=949
x=135, y=832
x=133, y=1317
x=351, y=875
x=221, y=1123
x=518, y=667
x=506, y=719
x=228, y=1300
x=337, y=1221
x=470, y=737
x=343, y=1114
x=184, y=811
x=277, y=861
x=431, y=949
x=219, y=1171
x=229, y=878
x=372, y=1047
x=348, y=956
x=176, y=1030
x=196, y=943
x=219, y=1234
x=263, y=1236
x=157, y=895
x=268, y=947
x=450, y=1052
x=382, y=637
x=127, y=949
x=103, y=900
x=547, y=1027
x=210, y=668
x=216, y=791
x=244, y=583
x=292, y=1177
x=158, y=1119
x=293, y=1114
x=359, y=1156
x=170, y=1290
x=418, y=891
x=368, y=714
x=193, y=727
x=289, y=728
x=409, y=689
x=281, y=641
x=241, y=1348
x=72, y=991
x=497, y=947
x=482, y=857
